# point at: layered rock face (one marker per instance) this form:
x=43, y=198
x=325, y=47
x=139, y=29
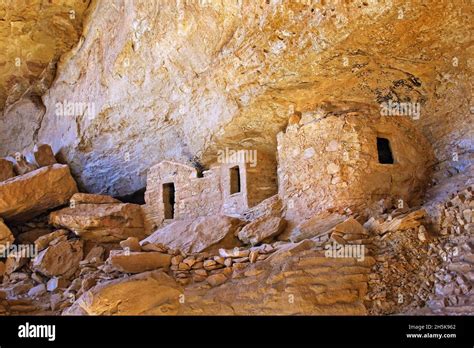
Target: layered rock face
x=34, y=36
x=204, y=71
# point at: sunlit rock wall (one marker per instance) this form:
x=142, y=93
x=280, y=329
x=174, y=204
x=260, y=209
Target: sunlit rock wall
x=167, y=80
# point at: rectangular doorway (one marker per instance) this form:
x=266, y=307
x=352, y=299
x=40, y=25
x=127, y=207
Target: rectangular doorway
x=169, y=200
x=234, y=180
x=384, y=151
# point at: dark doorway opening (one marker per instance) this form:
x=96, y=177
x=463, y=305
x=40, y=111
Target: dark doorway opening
x=234, y=180
x=384, y=151
x=169, y=200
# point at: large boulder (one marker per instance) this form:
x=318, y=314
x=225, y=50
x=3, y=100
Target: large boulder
x=61, y=259
x=108, y=222
x=202, y=234
x=6, y=236
x=149, y=293
x=31, y=194
x=137, y=262
x=262, y=229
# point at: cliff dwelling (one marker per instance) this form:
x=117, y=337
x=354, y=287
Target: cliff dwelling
x=236, y=153
x=350, y=161
x=175, y=192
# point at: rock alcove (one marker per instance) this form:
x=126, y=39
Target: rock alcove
x=220, y=149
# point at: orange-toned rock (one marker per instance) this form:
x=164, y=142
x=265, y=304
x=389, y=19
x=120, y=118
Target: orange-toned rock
x=6, y=169
x=101, y=222
x=317, y=225
x=149, y=293
x=31, y=194
x=15, y=260
x=262, y=229
x=61, y=259
x=29, y=237
x=89, y=198
x=137, y=262
x=44, y=241
x=6, y=236
x=44, y=155
x=216, y=279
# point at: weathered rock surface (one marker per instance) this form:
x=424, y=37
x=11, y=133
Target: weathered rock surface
x=21, y=165
x=61, y=259
x=271, y=206
x=222, y=65
x=219, y=75
x=15, y=260
x=193, y=236
x=262, y=229
x=137, y=262
x=131, y=244
x=6, y=169
x=44, y=155
x=44, y=241
x=150, y=293
x=88, y=198
x=399, y=223
x=6, y=236
x=297, y=279
x=44, y=31
x=350, y=226
x=29, y=237
x=106, y=222
x=28, y=195
x=317, y=225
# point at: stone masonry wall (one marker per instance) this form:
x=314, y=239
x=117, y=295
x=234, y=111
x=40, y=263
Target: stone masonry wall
x=193, y=196
x=208, y=195
x=261, y=179
x=331, y=163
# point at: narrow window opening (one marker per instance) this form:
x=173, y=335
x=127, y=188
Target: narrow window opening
x=234, y=180
x=384, y=151
x=169, y=200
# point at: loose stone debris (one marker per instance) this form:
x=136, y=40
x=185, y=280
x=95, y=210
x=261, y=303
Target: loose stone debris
x=84, y=258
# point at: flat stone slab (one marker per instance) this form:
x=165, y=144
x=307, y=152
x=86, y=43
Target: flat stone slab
x=26, y=196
